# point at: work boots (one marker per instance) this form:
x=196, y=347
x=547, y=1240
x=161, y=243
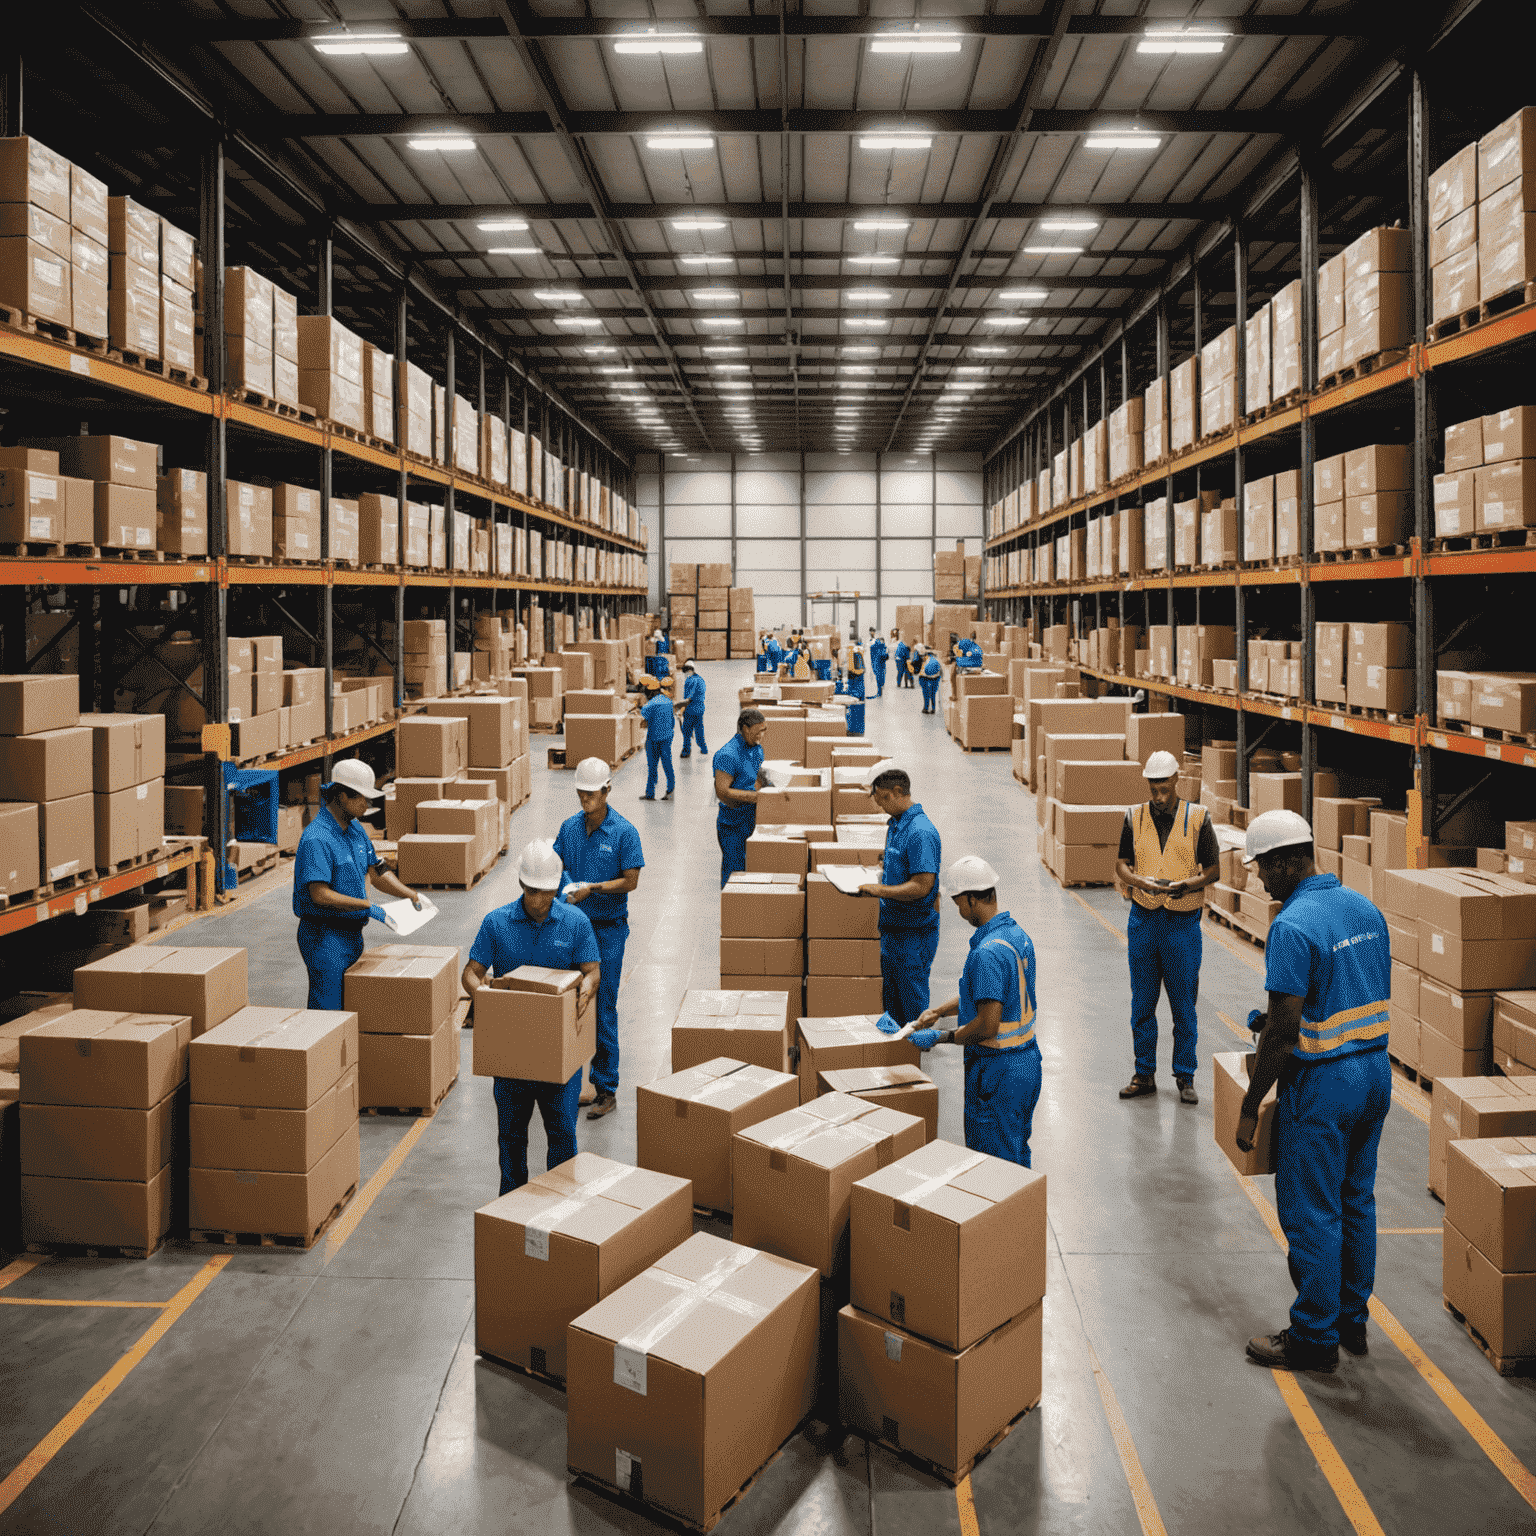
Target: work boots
x=1139, y=1087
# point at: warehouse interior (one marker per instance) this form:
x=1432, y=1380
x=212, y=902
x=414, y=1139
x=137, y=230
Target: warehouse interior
x=467, y=399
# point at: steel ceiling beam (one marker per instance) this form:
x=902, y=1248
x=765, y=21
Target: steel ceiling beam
x=425, y=213
x=801, y=278
x=1135, y=281
x=587, y=312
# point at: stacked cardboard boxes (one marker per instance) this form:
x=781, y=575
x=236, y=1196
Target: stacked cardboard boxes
x=1375, y=302
x=404, y=996
x=1489, y=1241
x=906, y=1089
x=274, y=1122
x=331, y=370
x=38, y=504
x=753, y=1026
x=45, y=767
x=250, y=333
x=1514, y=1034
x=743, y=624
x=127, y=785
x=426, y=657
x=1506, y=255
x=763, y=925
x=843, y=974
x=122, y=474
x=1453, y=237
x=941, y=1347
x=1489, y=482
x=1218, y=383
x=841, y=1044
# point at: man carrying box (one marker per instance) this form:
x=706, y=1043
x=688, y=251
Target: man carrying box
x=739, y=775
x=1168, y=855
x=332, y=868
x=693, y=710
x=535, y=930
x=601, y=861
x=996, y=1009
x=909, y=868
x=1328, y=972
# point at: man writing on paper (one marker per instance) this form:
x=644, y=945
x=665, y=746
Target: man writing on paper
x=535, y=930
x=335, y=863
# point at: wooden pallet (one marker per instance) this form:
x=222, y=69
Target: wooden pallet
x=95, y=1250
x=423, y=1112
x=138, y=861
x=524, y=1370
x=1284, y=403
x=49, y=889
x=944, y=1474
x=1489, y=309
x=1362, y=368
x=274, y=1239
x=1364, y=552
x=1486, y=733
x=1485, y=540
x=263, y=866
x=167, y=370
x=1360, y=712
x=964, y=748
x=33, y=325
x=427, y=885
x=1235, y=923
x=277, y=407
x=1505, y=1365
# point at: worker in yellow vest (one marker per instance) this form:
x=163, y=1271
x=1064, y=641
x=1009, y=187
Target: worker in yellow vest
x=1168, y=856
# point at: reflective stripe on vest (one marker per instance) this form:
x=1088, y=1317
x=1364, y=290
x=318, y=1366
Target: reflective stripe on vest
x=1176, y=859
x=1023, y=1030
x=1349, y=1026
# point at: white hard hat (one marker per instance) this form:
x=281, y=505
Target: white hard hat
x=885, y=765
x=688, y=666
x=1161, y=765
x=968, y=874
x=354, y=774
x=539, y=866
x=593, y=773
x=1275, y=829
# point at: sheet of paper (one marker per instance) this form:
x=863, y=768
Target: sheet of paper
x=849, y=877
x=403, y=917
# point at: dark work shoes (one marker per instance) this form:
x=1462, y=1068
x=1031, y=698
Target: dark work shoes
x=1352, y=1338
x=1187, y=1094
x=1281, y=1352
x=603, y=1104
x=1139, y=1087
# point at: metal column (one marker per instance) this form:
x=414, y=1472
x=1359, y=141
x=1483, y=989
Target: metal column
x=402, y=488
x=451, y=457
x=323, y=288
x=1240, y=616
x=1304, y=503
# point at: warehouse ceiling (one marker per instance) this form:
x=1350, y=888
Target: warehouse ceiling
x=720, y=226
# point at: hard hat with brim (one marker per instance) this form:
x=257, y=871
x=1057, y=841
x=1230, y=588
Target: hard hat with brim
x=1161, y=765
x=593, y=773
x=885, y=765
x=353, y=774
x=1274, y=830
x=968, y=874
x=539, y=866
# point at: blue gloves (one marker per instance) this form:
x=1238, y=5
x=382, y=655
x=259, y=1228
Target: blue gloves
x=924, y=1039
x=887, y=1025
x=376, y=913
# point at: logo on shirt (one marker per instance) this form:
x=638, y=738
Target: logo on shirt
x=605, y=847
x=1356, y=938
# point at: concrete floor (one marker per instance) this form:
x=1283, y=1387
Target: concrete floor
x=339, y=1391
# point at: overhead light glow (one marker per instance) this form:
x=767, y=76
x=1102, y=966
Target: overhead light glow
x=874, y=261
x=660, y=42
x=1132, y=138
x=715, y=296
x=448, y=143
x=1023, y=295
x=597, y=351
x=514, y=250
x=371, y=45
x=722, y=351
x=861, y=351
x=578, y=322
x=720, y=320
x=732, y=367
x=857, y=368
x=698, y=223
x=916, y=42
x=872, y=226
x=1067, y=226
x=623, y=368
x=869, y=295
x=896, y=141
x=866, y=322
x=1183, y=40
x=1053, y=250
x=501, y=226
x=1010, y=320
x=968, y=368
x=559, y=296
x=680, y=141
x=707, y=261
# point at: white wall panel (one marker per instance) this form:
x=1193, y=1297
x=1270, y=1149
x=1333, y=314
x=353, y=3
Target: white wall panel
x=695, y=487
x=646, y=489
x=817, y=463
x=850, y=521
x=767, y=522
x=951, y=522
x=906, y=485
x=774, y=611
x=906, y=520
x=696, y=551
x=767, y=555
x=767, y=488
x=838, y=488
x=902, y=555
x=769, y=464
x=828, y=578
x=774, y=583
x=841, y=554
x=684, y=521
x=959, y=478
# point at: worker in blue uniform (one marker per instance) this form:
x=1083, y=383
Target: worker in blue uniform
x=1323, y=1038
x=1167, y=857
x=877, y=659
x=909, y=873
x=693, y=709
x=968, y=656
x=767, y=654
x=853, y=686
x=996, y=1009
x=660, y=716
x=739, y=775
x=335, y=863
x=903, y=656
x=928, y=679
x=601, y=860
x=535, y=930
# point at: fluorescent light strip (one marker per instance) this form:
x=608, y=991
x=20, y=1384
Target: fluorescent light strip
x=872, y=226
x=448, y=143
x=698, y=223
x=577, y=322
x=515, y=250
x=1133, y=140
x=1053, y=250
x=1006, y=320
x=715, y=296
x=1183, y=40
x=681, y=141
x=866, y=322
x=896, y=141
x=720, y=320
x=559, y=296
x=660, y=42
x=362, y=44
x=502, y=226
x=931, y=42
x=706, y=261
x=1065, y=226
x=722, y=351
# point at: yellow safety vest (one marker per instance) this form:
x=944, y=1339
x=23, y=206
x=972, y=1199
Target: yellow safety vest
x=1174, y=860
x=1012, y=1034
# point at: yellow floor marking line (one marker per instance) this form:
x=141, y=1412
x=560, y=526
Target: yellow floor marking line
x=1408, y=1231
x=16, y=1269
x=1326, y=1454
x=371, y=1191
x=1141, y=1489
x=59, y=1436
x=45, y=1301
x=1513, y=1469
x=965, y=1506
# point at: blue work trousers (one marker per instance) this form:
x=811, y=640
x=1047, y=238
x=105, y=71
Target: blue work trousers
x=693, y=729
x=732, y=837
x=1001, y=1091
x=906, y=957
x=1330, y=1119
x=328, y=949
x=930, y=687
x=903, y=677
x=878, y=668
x=854, y=715
x=515, y=1098
x=658, y=753
x=603, y=1074
x=1164, y=950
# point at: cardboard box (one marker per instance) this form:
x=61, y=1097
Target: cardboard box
x=31, y=703
x=280, y=1204
x=1476, y=1109
x=400, y=1071
x=119, y=1213
x=125, y=750
x=20, y=848
x=829, y=997
x=50, y=765
x=274, y=1058
x=432, y=746
x=548, y=1252
x=403, y=989
x=906, y=1089
x=66, y=836
x=915, y=1396
x=80, y=1141
x=1232, y=1071
x=829, y=914
x=1502, y=1307
x=527, y=1025
x=949, y=1244
x=685, y=1122
x=492, y=728
x=130, y=823
x=114, y=1060
x=438, y=858
x=268, y=1140
x=749, y=1026
x=764, y=907
x=640, y=1418
x=206, y=983
x=1490, y=1195
x=837, y=1043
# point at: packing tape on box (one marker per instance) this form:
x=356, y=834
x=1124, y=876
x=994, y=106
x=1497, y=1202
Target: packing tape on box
x=536, y=1229
x=926, y=1187
x=629, y=1354
x=719, y=1085
x=1521, y=1161
x=836, y=1125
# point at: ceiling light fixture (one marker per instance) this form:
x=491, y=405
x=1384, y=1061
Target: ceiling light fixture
x=1023, y=295
x=448, y=143
x=732, y=367
x=916, y=42
x=873, y=226
x=1183, y=40
x=1053, y=250
x=502, y=226
x=861, y=351
x=596, y=351
x=660, y=42
x=578, y=322
x=720, y=320
x=866, y=322
x=991, y=351
x=869, y=295
x=874, y=261
x=722, y=351
x=362, y=44
x=698, y=223
x=896, y=141
x=559, y=296
x=706, y=261
x=1131, y=138
x=715, y=296
x=680, y=141
x=1066, y=226
x=1006, y=320
x=514, y=250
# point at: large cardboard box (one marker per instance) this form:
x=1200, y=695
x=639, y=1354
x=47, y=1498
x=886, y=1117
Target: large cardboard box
x=115, y=1060
x=687, y=1379
x=1232, y=1070
x=399, y=1071
x=762, y=906
x=684, y=1123
x=51, y=765
x=125, y=750
x=80, y=1141
x=1476, y=1109
x=119, y=1213
x=792, y=1175
x=547, y=1252
x=1502, y=1307
x=279, y=1204
x=948, y=1243
x=751, y=1026
x=835, y=1043
x=265, y=1140
x=528, y=1025
x=830, y=914
x=915, y=1396
x=432, y=746
x=130, y=823
x=831, y=997
x=34, y=702
x=493, y=734
x=403, y=989
x=207, y=983
x=1490, y=1195
x=438, y=858
x=274, y=1058
x=907, y=1089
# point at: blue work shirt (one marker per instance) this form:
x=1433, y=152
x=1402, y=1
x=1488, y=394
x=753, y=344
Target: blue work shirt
x=991, y=974
x=693, y=695
x=592, y=857
x=660, y=721
x=903, y=650
x=877, y=651
x=931, y=667
x=1329, y=947
x=743, y=763
x=508, y=938
x=663, y=645
x=337, y=857
x=911, y=848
